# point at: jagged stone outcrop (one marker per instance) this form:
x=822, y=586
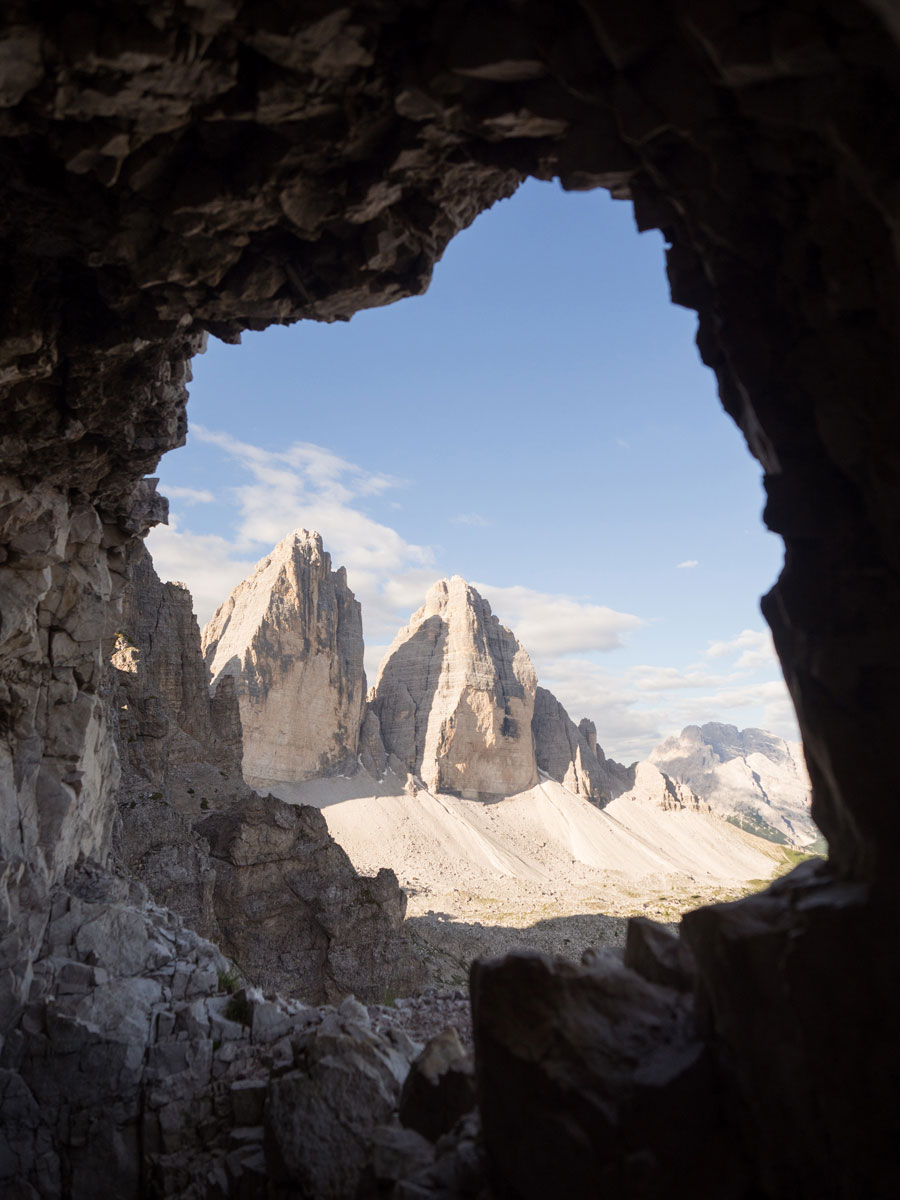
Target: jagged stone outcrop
x=165, y=714
x=757, y=137
x=294, y=913
x=648, y=785
x=142, y=1067
x=751, y=777
x=261, y=877
x=567, y=752
x=571, y=755
x=455, y=697
x=290, y=636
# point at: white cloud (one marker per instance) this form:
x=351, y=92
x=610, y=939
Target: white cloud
x=551, y=623
x=302, y=486
x=470, y=518
x=636, y=709
x=189, y=495
x=205, y=563
x=687, y=564
x=754, y=650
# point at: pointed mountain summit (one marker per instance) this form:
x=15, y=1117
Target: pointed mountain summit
x=291, y=636
x=455, y=697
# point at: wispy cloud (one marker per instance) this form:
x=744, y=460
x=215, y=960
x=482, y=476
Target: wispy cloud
x=551, y=623
x=751, y=649
x=189, y=495
x=636, y=709
x=687, y=564
x=301, y=486
x=470, y=518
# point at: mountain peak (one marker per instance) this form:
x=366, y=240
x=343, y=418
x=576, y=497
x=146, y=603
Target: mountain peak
x=455, y=696
x=291, y=635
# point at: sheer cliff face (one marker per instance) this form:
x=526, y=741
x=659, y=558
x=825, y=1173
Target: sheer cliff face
x=568, y=752
x=165, y=715
x=291, y=637
x=753, y=778
x=455, y=697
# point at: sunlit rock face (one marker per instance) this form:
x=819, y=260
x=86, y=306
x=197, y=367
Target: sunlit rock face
x=455, y=697
x=757, y=780
x=291, y=638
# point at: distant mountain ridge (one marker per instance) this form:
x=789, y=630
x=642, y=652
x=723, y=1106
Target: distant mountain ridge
x=457, y=707
x=752, y=778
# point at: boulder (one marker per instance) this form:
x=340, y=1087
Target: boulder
x=440, y=1087
x=582, y=1071
x=294, y=913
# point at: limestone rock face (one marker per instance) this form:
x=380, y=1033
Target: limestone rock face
x=568, y=752
x=290, y=636
x=751, y=777
x=142, y=1068
x=755, y=137
x=455, y=697
x=165, y=715
x=649, y=785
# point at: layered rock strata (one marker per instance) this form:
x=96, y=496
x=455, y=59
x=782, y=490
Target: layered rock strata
x=455, y=697
x=750, y=777
x=290, y=637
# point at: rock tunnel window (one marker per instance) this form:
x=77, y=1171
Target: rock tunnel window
x=524, y=472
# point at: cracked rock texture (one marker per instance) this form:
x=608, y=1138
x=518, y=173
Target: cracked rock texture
x=455, y=697
x=171, y=170
x=290, y=638
x=262, y=878
x=134, y=1072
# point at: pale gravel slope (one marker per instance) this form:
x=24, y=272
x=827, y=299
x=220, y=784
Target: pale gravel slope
x=542, y=844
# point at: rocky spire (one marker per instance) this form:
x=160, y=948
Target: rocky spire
x=455, y=697
x=291, y=636
x=568, y=752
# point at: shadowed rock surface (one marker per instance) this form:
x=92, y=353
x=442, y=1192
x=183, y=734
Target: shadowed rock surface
x=563, y=751
x=290, y=637
x=174, y=170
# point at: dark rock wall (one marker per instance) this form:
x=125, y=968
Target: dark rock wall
x=169, y=169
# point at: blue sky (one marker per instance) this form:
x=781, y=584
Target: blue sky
x=540, y=423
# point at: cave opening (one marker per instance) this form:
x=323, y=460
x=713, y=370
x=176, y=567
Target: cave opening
x=545, y=373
